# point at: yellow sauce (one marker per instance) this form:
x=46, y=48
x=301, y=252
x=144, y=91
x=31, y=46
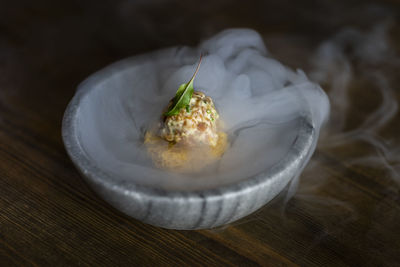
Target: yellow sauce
x=182, y=158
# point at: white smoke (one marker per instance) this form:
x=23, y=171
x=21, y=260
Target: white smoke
x=370, y=59
x=259, y=100
x=351, y=65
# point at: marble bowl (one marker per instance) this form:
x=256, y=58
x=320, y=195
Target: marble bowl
x=175, y=209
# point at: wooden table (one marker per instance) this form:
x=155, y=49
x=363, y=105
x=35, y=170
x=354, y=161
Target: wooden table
x=344, y=213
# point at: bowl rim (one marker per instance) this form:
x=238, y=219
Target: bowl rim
x=302, y=145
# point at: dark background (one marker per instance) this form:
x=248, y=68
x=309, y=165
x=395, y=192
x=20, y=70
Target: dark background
x=48, y=216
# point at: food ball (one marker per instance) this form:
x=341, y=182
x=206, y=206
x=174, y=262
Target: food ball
x=194, y=125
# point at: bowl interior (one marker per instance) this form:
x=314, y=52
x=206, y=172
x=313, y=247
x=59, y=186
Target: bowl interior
x=117, y=105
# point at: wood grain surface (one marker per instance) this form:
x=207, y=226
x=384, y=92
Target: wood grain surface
x=344, y=213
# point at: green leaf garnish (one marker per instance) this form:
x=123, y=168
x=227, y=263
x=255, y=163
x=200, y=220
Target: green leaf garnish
x=183, y=95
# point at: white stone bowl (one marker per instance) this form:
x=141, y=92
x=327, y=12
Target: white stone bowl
x=176, y=209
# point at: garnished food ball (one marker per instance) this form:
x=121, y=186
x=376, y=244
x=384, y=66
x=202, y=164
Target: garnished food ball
x=195, y=124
